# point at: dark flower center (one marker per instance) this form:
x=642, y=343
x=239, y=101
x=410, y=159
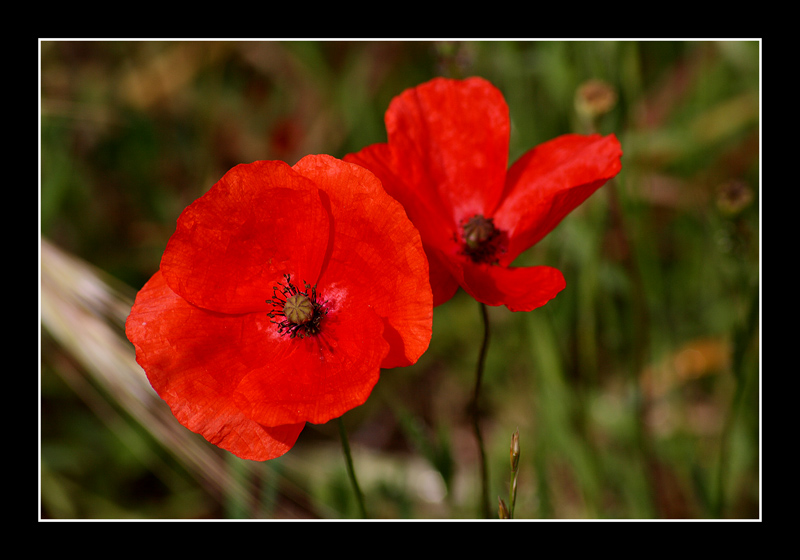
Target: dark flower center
x=301, y=312
x=482, y=240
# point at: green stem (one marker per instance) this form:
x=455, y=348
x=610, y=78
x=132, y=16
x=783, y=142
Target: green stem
x=742, y=337
x=512, y=498
x=718, y=505
x=350, y=471
x=475, y=414
x=514, y=457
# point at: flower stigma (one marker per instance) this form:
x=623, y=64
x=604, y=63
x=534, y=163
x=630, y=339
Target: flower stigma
x=482, y=240
x=298, y=309
x=301, y=311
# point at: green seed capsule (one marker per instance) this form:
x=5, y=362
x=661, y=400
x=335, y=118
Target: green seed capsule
x=298, y=309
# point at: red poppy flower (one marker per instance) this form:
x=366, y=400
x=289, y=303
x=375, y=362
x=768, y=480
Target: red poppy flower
x=280, y=296
x=446, y=162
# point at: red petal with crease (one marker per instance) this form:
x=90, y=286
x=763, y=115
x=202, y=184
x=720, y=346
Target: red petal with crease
x=259, y=221
x=433, y=220
x=443, y=283
x=550, y=181
x=450, y=141
x=519, y=289
x=377, y=252
x=435, y=226
x=196, y=370
x=326, y=376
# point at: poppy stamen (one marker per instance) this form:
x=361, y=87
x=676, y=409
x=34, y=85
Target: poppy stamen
x=301, y=312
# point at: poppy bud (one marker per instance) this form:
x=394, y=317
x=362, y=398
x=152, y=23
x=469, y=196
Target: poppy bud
x=514, y=451
x=502, y=509
x=595, y=98
x=734, y=196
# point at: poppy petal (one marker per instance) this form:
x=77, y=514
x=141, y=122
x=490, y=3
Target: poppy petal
x=450, y=140
x=376, y=253
x=551, y=180
x=196, y=370
x=434, y=227
x=329, y=374
x=260, y=221
x=518, y=288
x=443, y=284
x=434, y=224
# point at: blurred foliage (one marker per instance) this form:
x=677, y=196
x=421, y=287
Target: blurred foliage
x=636, y=391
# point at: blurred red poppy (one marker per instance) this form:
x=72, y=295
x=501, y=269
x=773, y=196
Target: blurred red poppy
x=446, y=162
x=280, y=296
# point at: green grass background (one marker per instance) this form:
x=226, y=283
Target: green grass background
x=636, y=391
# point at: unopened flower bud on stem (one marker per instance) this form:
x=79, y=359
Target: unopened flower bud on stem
x=514, y=451
x=502, y=510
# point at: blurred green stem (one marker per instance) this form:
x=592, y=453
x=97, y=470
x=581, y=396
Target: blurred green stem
x=640, y=336
x=512, y=488
x=476, y=414
x=718, y=504
x=350, y=471
x=742, y=337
